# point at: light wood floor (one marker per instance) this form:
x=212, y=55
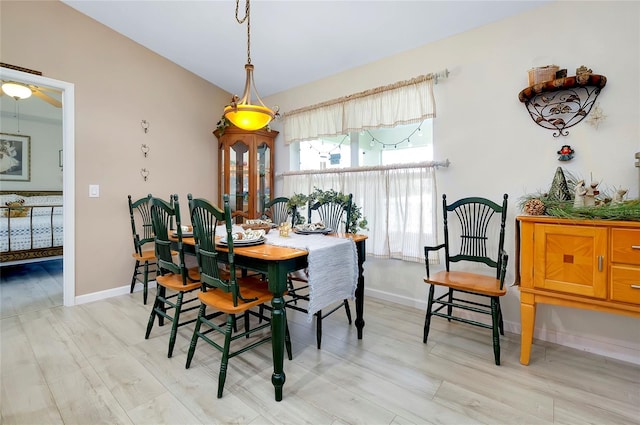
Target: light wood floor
x=90, y=364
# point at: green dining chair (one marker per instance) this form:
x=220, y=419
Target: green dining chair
x=142, y=232
x=278, y=211
x=474, y=230
x=225, y=293
x=174, y=280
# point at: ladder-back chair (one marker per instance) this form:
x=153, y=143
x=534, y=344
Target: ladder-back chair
x=142, y=231
x=225, y=293
x=174, y=280
x=474, y=230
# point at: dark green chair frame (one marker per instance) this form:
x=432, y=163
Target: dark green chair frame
x=476, y=218
x=142, y=231
x=279, y=212
x=170, y=306
x=205, y=218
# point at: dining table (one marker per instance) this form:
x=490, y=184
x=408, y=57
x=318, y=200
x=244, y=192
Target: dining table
x=276, y=262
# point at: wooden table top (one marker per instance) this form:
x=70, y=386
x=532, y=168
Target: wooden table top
x=271, y=252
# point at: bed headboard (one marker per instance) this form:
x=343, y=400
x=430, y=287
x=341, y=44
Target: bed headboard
x=31, y=192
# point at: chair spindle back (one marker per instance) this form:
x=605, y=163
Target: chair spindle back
x=477, y=221
x=332, y=213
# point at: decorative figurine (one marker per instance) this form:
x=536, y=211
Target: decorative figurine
x=618, y=198
x=581, y=191
x=590, y=196
x=566, y=153
x=559, y=189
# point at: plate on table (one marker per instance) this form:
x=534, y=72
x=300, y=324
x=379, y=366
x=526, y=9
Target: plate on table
x=311, y=229
x=248, y=237
x=184, y=234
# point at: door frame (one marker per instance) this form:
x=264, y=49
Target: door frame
x=68, y=172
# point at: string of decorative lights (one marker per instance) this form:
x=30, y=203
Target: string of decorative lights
x=326, y=154
x=407, y=139
x=374, y=141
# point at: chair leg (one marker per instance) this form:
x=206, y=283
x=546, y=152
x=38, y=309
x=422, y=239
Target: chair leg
x=500, y=323
x=348, y=310
x=287, y=338
x=319, y=328
x=222, y=376
x=427, y=317
x=152, y=317
x=194, y=338
x=175, y=323
x=450, y=307
x=145, y=283
x=496, y=336
x=133, y=278
x=162, y=291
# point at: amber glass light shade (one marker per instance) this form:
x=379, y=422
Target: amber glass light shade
x=245, y=115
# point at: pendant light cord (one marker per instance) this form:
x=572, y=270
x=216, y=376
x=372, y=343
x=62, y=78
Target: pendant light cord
x=241, y=21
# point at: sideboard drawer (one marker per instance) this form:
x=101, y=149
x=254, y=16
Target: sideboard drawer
x=625, y=284
x=625, y=246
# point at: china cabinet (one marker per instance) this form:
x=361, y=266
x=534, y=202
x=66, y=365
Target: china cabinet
x=245, y=168
x=587, y=264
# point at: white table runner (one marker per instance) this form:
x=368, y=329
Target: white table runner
x=333, y=267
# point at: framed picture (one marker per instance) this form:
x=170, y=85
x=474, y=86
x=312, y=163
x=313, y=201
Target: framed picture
x=15, y=157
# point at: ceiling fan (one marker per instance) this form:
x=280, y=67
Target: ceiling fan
x=21, y=91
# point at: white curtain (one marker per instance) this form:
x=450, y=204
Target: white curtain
x=403, y=102
x=398, y=203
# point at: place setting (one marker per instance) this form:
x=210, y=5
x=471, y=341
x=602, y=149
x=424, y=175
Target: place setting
x=247, y=237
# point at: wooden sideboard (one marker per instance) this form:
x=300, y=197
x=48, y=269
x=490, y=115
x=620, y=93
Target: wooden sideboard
x=587, y=264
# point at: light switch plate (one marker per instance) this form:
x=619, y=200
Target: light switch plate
x=94, y=191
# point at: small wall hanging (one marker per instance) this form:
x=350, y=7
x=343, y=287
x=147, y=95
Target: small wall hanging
x=566, y=153
x=144, y=173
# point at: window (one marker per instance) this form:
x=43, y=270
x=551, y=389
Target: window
x=383, y=146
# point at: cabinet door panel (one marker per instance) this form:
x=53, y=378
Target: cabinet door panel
x=571, y=259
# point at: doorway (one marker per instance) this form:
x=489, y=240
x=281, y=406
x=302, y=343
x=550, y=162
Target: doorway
x=68, y=172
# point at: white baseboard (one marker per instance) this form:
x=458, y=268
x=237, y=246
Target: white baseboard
x=615, y=349
x=113, y=292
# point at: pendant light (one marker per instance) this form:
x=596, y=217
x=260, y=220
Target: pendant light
x=241, y=112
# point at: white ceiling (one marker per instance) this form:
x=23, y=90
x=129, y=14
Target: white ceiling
x=292, y=42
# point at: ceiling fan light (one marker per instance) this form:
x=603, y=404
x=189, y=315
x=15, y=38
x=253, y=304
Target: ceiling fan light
x=16, y=90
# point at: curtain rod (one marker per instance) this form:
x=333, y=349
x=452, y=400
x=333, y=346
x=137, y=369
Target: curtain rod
x=435, y=76
x=425, y=164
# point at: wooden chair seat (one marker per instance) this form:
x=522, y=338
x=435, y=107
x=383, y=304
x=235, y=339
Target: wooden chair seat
x=251, y=289
x=470, y=282
x=145, y=256
x=174, y=281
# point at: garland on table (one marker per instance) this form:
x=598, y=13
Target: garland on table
x=299, y=200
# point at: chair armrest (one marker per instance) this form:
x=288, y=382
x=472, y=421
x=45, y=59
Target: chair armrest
x=428, y=249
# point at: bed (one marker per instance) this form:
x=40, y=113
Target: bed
x=31, y=225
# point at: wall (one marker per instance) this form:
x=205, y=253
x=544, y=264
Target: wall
x=118, y=83
x=494, y=146
x=46, y=141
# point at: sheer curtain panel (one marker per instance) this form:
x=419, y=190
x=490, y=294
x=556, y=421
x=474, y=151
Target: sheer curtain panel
x=399, y=204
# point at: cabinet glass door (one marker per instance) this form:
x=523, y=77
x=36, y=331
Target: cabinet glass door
x=263, y=183
x=239, y=177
